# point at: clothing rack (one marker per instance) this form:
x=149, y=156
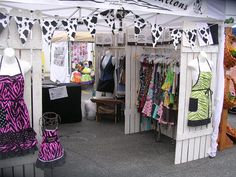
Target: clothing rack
x=155, y=96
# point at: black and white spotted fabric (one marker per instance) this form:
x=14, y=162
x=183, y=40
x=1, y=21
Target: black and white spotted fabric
x=70, y=26
x=4, y=21
x=176, y=35
x=109, y=18
x=204, y=32
x=24, y=26
x=120, y=15
x=91, y=22
x=2, y=118
x=197, y=6
x=48, y=28
x=191, y=35
x=139, y=25
x=157, y=31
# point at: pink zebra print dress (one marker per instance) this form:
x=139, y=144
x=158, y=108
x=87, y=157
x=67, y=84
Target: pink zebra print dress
x=51, y=152
x=16, y=135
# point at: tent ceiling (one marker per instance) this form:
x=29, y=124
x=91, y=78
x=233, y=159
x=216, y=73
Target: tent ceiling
x=78, y=9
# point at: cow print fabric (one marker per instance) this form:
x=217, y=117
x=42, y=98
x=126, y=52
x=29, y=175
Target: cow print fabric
x=191, y=35
x=48, y=28
x=120, y=15
x=205, y=34
x=176, y=35
x=157, y=31
x=4, y=20
x=70, y=26
x=24, y=26
x=139, y=25
x=91, y=22
x=109, y=18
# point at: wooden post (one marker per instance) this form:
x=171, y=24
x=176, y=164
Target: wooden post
x=224, y=140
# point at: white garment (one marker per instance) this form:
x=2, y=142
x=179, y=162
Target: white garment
x=59, y=62
x=219, y=99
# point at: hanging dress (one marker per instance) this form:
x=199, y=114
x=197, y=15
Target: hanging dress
x=200, y=111
x=16, y=135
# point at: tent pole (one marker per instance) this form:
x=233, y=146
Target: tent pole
x=74, y=12
x=65, y=8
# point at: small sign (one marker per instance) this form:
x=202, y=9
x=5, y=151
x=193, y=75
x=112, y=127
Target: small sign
x=58, y=92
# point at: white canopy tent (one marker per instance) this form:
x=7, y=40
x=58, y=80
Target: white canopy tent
x=169, y=13
x=151, y=10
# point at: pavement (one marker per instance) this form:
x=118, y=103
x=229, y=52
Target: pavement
x=101, y=149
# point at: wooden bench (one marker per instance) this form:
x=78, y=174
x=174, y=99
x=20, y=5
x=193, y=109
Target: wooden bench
x=108, y=106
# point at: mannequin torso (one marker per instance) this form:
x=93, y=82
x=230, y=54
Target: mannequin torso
x=202, y=62
x=107, y=58
x=105, y=61
x=9, y=65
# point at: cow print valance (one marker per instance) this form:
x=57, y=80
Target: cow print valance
x=109, y=18
x=91, y=22
x=48, y=28
x=24, y=26
x=120, y=15
x=176, y=35
x=70, y=26
x=191, y=35
x=157, y=31
x=204, y=32
x=4, y=20
x=139, y=25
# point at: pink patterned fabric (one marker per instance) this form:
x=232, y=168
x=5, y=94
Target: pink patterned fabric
x=16, y=135
x=147, y=109
x=51, y=148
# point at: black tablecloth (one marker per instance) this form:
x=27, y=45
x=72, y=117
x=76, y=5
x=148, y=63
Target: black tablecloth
x=68, y=108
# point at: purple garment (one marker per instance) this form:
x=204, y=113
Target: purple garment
x=16, y=135
x=51, y=148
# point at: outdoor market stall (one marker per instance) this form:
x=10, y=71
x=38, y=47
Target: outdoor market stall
x=183, y=26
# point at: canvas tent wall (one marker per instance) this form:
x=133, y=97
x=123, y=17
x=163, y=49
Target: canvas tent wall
x=154, y=12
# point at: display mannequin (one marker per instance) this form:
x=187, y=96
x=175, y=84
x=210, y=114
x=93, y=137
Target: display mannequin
x=194, y=66
x=20, y=139
x=9, y=64
x=106, y=84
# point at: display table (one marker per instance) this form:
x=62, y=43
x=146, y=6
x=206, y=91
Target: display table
x=69, y=108
x=108, y=106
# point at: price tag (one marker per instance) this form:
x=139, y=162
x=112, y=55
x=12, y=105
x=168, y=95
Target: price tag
x=58, y=92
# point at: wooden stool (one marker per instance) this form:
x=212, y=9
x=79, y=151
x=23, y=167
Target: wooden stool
x=108, y=106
